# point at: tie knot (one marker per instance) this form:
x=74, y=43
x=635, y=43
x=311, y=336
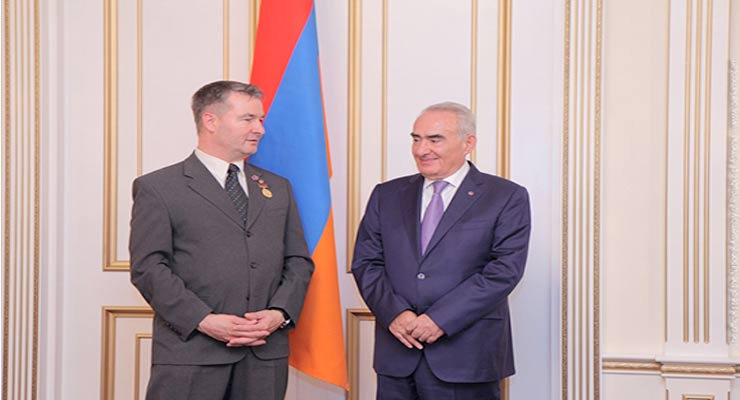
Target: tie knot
x=233, y=169
x=439, y=186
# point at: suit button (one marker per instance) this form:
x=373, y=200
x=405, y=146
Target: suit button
x=249, y=234
x=420, y=276
x=253, y=264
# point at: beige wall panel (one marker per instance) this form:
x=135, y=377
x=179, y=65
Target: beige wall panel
x=360, y=344
x=143, y=354
x=734, y=188
x=177, y=61
x=698, y=388
x=484, y=85
x=697, y=154
x=159, y=44
x=618, y=386
x=131, y=358
x=127, y=105
x=240, y=25
x=536, y=79
x=374, y=97
x=83, y=286
x=633, y=242
x=426, y=65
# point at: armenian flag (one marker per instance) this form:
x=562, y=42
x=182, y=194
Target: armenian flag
x=296, y=146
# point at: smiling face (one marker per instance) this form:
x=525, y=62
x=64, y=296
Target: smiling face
x=437, y=148
x=232, y=129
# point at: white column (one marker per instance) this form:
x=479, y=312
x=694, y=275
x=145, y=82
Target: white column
x=581, y=200
x=698, y=332
x=21, y=178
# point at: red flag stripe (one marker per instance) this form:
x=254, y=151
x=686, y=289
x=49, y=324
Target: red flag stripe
x=282, y=30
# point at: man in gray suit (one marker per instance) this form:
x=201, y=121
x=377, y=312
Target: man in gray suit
x=217, y=250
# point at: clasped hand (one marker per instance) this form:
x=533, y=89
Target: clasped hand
x=412, y=330
x=250, y=330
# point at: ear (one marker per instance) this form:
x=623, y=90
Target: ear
x=209, y=121
x=470, y=142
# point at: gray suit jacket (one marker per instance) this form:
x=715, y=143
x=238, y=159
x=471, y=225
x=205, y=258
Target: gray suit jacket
x=191, y=256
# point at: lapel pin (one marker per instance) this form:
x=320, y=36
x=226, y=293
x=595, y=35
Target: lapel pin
x=471, y=193
x=262, y=185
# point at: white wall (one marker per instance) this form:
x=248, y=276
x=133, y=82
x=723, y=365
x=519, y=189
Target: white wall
x=624, y=306
x=426, y=57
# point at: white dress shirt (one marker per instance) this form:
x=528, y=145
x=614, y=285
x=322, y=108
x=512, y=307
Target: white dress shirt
x=220, y=169
x=448, y=192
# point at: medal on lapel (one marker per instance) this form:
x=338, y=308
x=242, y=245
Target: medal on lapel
x=262, y=185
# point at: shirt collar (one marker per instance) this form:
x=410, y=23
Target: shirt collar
x=455, y=179
x=218, y=167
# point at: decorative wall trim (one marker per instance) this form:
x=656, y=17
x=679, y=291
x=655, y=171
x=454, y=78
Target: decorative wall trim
x=697, y=369
x=254, y=16
x=581, y=189
x=108, y=340
x=732, y=210
x=110, y=131
x=698, y=230
x=354, y=102
x=503, y=121
x=630, y=366
x=137, y=362
x=21, y=187
x=664, y=368
x=225, y=38
x=111, y=261
x=474, y=64
x=354, y=125
x=354, y=317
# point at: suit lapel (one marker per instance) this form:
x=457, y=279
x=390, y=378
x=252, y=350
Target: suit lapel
x=467, y=194
x=411, y=203
x=256, y=198
x=203, y=183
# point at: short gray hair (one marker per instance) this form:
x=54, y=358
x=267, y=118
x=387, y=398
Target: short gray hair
x=465, y=117
x=217, y=92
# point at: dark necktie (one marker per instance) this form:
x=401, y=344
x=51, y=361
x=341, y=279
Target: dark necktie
x=432, y=215
x=235, y=191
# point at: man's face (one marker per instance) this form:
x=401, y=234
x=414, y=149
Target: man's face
x=237, y=126
x=437, y=148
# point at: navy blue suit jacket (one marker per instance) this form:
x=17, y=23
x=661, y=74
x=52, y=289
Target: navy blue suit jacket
x=474, y=260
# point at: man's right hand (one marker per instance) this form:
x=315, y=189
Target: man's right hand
x=233, y=330
x=401, y=328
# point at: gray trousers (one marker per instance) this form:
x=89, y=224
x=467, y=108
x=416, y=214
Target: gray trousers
x=248, y=379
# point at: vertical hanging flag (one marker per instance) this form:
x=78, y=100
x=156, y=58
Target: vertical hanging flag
x=286, y=68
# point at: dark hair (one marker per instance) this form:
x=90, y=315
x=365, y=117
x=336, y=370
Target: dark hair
x=217, y=92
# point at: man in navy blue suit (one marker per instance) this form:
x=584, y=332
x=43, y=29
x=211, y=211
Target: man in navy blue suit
x=436, y=256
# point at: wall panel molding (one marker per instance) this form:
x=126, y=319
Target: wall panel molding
x=666, y=367
x=369, y=95
x=356, y=317
x=21, y=197
x=110, y=319
x=733, y=185
x=111, y=261
x=697, y=239
x=121, y=54
x=581, y=200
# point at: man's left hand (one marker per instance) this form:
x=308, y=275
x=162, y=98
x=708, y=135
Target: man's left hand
x=424, y=329
x=269, y=320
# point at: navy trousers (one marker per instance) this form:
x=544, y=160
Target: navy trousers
x=423, y=385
